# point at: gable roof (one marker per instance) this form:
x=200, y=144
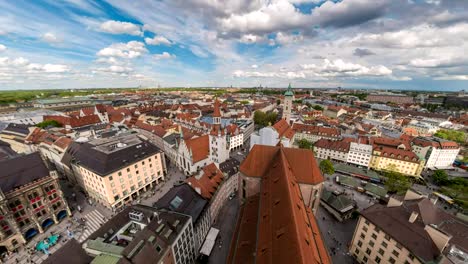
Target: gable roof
x=341, y=145
x=199, y=146
x=302, y=162
x=413, y=236
x=208, y=182
x=283, y=129
x=286, y=230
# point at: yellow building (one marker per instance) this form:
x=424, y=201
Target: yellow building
x=116, y=171
x=397, y=160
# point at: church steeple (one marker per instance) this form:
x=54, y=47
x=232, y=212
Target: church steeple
x=289, y=91
x=216, y=113
x=288, y=98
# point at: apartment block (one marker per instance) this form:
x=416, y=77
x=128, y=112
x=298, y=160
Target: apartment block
x=115, y=171
x=315, y=133
x=439, y=153
x=409, y=229
x=360, y=153
x=30, y=200
x=333, y=150
x=137, y=235
x=398, y=160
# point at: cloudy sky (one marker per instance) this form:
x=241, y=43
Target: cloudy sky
x=390, y=44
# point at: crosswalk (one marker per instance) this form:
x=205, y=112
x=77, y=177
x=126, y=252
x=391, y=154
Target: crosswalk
x=94, y=220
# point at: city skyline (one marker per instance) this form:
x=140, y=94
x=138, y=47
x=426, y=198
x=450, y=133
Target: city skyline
x=362, y=44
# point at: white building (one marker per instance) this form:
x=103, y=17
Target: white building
x=193, y=154
x=332, y=150
x=272, y=135
x=439, y=153
x=359, y=154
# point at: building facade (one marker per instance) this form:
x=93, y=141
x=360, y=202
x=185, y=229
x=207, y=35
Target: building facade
x=117, y=170
x=30, y=200
x=424, y=233
x=398, y=160
x=359, y=154
x=439, y=153
x=314, y=133
x=332, y=150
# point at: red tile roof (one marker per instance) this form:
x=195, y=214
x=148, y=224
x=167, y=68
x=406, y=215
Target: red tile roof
x=439, y=144
x=399, y=154
x=208, y=182
x=63, y=142
x=283, y=129
x=157, y=130
x=389, y=142
x=245, y=236
x=302, y=162
x=199, y=146
x=341, y=145
x=316, y=130
x=75, y=121
x=286, y=231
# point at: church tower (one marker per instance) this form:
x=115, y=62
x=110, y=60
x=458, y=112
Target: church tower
x=288, y=98
x=219, y=148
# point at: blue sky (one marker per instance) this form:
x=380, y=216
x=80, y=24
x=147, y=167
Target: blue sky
x=385, y=44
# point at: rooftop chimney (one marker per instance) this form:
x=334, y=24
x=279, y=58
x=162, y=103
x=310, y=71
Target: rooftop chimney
x=413, y=217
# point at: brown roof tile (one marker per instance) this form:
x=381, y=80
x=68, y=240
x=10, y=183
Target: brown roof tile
x=302, y=162
x=283, y=129
x=200, y=147
x=208, y=182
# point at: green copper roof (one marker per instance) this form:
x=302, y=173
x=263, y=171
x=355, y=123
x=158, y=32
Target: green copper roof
x=289, y=92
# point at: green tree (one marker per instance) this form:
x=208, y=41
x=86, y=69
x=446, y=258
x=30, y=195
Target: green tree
x=244, y=102
x=49, y=123
x=440, y=177
x=305, y=144
x=326, y=166
x=318, y=107
x=278, y=101
x=263, y=119
x=454, y=135
x=396, y=182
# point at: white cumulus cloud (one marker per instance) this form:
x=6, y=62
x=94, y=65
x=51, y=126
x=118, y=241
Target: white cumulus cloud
x=130, y=50
x=119, y=27
x=158, y=40
x=2, y=48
